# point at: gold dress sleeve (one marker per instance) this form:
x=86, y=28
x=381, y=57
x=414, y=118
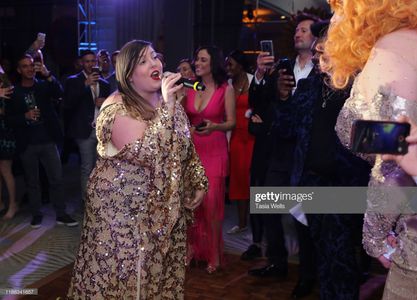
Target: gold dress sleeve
x=193, y=171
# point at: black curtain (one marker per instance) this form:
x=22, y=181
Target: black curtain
x=218, y=22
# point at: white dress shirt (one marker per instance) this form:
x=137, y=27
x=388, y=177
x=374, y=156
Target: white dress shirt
x=95, y=92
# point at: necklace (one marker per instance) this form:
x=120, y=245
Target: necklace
x=239, y=91
x=203, y=98
x=326, y=94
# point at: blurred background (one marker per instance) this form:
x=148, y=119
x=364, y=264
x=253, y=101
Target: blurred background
x=176, y=28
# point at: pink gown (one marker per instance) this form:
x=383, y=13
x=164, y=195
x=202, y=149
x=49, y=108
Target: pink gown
x=207, y=244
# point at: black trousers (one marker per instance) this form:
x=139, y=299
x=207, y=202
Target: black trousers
x=256, y=220
x=336, y=256
x=334, y=240
x=307, y=253
x=276, y=251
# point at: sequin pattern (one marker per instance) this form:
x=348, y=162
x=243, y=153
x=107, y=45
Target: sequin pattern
x=133, y=241
x=384, y=106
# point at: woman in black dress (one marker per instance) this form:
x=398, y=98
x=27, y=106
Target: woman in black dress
x=7, y=149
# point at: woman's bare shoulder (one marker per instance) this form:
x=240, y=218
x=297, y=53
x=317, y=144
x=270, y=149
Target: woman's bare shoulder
x=112, y=99
x=399, y=41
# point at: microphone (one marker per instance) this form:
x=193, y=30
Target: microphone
x=189, y=83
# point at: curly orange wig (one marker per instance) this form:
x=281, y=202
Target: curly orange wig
x=357, y=26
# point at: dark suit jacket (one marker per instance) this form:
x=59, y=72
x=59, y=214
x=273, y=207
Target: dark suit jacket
x=16, y=108
x=260, y=103
x=112, y=82
x=296, y=117
x=271, y=152
x=79, y=105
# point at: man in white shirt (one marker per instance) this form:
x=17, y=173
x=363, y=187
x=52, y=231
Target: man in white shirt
x=303, y=39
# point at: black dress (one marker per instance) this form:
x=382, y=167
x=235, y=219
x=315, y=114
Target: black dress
x=7, y=139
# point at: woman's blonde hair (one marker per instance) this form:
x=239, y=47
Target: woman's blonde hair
x=357, y=27
x=129, y=56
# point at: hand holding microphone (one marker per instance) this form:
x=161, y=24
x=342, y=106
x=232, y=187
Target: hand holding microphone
x=188, y=83
x=169, y=87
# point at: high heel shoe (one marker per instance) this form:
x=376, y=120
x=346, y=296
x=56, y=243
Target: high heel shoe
x=211, y=269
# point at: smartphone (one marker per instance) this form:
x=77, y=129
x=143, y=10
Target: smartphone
x=95, y=70
x=285, y=63
x=267, y=46
x=379, y=137
x=200, y=126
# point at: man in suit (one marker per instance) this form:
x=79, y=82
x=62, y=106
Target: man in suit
x=33, y=117
x=85, y=92
x=264, y=89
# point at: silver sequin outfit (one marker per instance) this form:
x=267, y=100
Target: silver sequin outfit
x=378, y=225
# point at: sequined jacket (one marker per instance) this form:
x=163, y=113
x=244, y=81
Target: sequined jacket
x=133, y=243
x=380, y=218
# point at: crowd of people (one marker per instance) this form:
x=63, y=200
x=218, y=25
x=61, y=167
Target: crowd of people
x=156, y=157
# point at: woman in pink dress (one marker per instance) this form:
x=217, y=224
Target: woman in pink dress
x=211, y=113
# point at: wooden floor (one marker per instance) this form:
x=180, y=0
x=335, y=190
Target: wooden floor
x=232, y=283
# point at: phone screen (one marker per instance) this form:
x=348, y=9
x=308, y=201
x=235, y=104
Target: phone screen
x=267, y=46
x=95, y=70
x=286, y=64
x=381, y=137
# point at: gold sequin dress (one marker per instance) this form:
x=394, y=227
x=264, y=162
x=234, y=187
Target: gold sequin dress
x=378, y=225
x=133, y=241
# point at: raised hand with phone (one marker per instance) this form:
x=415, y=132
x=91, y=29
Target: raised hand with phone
x=92, y=81
x=41, y=69
x=37, y=44
x=93, y=77
x=286, y=78
x=265, y=59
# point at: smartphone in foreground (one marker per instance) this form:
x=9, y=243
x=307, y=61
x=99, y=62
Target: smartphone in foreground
x=379, y=137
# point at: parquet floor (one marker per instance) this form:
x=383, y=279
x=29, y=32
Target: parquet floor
x=231, y=283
